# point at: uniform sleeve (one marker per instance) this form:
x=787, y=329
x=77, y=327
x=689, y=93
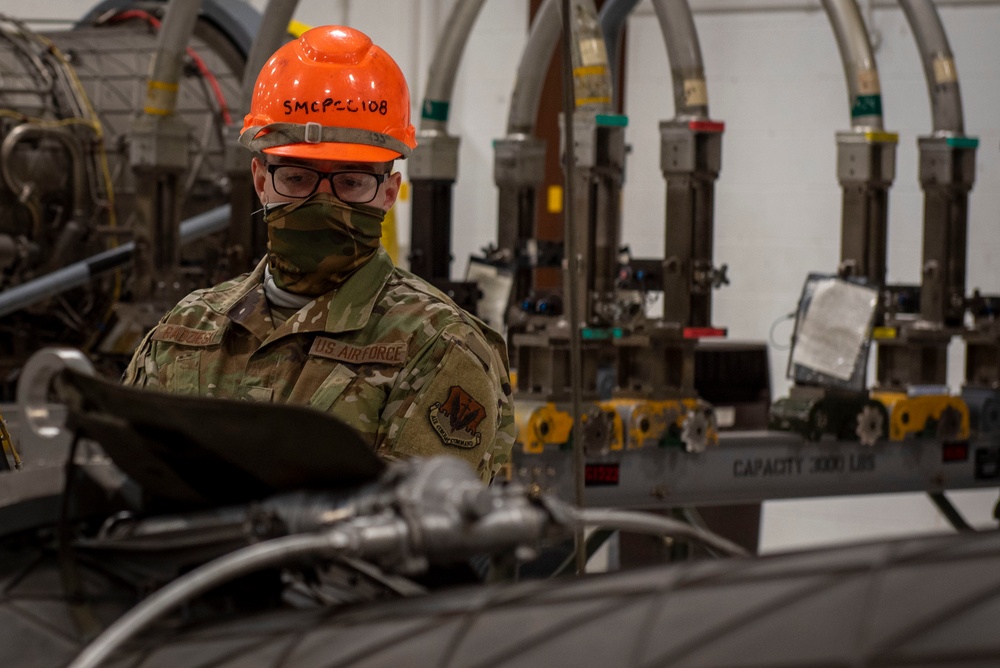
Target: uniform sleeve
x=141, y=371
x=454, y=399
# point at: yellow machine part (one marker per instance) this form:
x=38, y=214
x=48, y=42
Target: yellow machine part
x=647, y=422
x=7, y=443
x=549, y=424
x=543, y=424
x=908, y=416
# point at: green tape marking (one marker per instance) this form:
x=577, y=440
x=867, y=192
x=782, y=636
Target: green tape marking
x=867, y=105
x=435, y=110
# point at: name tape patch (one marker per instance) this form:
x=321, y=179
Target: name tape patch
x=377, y=353
x=186, y=335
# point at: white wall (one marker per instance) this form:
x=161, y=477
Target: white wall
x=775, y=78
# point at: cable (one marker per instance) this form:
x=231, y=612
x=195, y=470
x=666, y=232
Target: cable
x=202, y=579
x=950, y=512
x=340, y=540
x=774, y=325
x=627, y=520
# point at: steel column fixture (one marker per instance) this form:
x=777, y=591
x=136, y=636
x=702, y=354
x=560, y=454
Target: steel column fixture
x=158, y=156
x=915, y=352
x=246, y=239
x=594, y=175
x=662, y=366
x=690, y=158
x=866, y=155
x=519, y=157
x=947, y=172
x=433, y=166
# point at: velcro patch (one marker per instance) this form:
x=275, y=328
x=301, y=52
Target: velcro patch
x=187, y=336
x=377, y=353
x=456, y=419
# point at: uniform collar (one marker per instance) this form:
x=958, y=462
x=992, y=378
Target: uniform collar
x=345, y=309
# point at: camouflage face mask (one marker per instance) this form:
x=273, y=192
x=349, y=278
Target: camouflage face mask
x=316, y=243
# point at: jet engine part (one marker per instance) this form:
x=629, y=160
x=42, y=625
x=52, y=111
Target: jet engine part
x=67, y=191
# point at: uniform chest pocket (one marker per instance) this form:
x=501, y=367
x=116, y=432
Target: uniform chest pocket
x=331, y=388
x=183, y=374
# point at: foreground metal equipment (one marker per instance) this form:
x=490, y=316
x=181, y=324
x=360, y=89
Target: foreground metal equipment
x=142, y=505
x=132, y=571
x=914, y=602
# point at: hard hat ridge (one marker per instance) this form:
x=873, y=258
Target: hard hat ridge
x=332, y=94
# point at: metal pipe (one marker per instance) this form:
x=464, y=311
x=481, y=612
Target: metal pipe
x=531, y=70
x=272, y=33
x=864, y=92
x=444, y=65
x=168, y=61
x=573, y=276
x=244, y=236
x=747, y=7
x=939, y=66
x=19, y=133
x=684, y=52
x=80, y=273
x=612, y=17
x=204, y=578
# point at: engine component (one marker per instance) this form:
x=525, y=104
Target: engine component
x=66, y=188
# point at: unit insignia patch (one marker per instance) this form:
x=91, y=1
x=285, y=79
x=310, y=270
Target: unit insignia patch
x=456, y=419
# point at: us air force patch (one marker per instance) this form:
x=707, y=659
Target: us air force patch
x=456, y=419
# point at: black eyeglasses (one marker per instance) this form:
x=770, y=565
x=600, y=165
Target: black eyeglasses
x=351, y=187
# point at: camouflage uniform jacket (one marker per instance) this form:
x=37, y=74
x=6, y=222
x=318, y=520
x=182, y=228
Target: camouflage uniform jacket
x=386, y=353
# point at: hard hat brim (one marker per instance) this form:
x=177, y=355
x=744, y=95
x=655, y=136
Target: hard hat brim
x=334, y=151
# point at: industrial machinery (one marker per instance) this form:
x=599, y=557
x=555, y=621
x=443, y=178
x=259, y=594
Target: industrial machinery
x=140, y=507
x=106, y=146
x=635, y=373
x=912, y=328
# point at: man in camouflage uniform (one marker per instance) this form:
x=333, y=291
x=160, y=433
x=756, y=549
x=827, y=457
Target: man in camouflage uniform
x=326, y=320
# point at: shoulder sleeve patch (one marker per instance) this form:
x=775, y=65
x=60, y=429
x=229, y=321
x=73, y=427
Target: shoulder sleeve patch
x=454, y=411
x=457, y=418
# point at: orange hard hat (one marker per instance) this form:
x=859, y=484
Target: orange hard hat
x=331, y=94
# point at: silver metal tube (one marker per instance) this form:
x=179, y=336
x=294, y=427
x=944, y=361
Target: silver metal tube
x=167, y=64
x=574, y=277
x=269, y=37
x=863, y=88
x=648, y=523
x=202, y=579
x=939, y=66
x=444, y=65
x=684, y=51
x=612, y=17
x=80, y=273
x=760, y=6
x=531, y=70
x=20, y=132
x=272, y=34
